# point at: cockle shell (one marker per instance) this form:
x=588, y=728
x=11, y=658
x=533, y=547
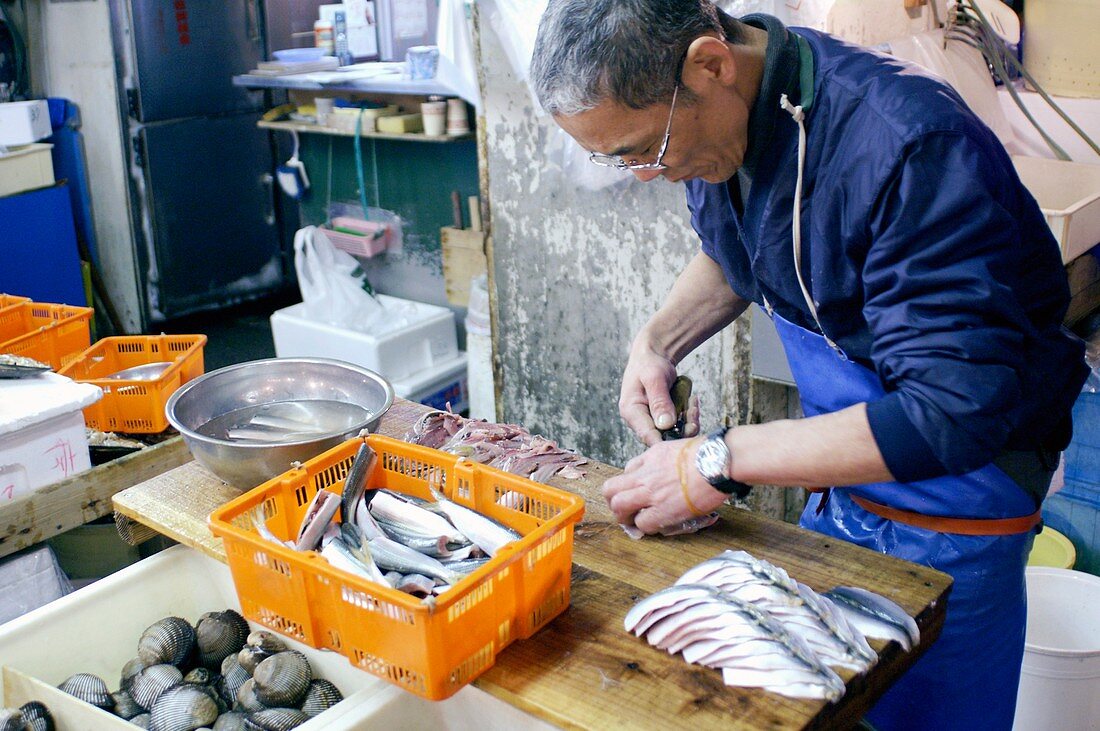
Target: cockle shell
x=88, y=688
x=152, y=681
x=321, y=696
x=141, y=721
x=282, y=680
x=246, y=698
x=200, y=676
x=275, y=719
x=232, y=678
x=169, y=640
x=36, y=717
x=11, y=719
x=259, y=646
x=183, y=708
x=125, y=705
x=230, y=721
x=220, y=634
x=129, y=670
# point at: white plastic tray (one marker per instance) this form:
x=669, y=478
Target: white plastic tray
x=1068, y=193
x=96, y=629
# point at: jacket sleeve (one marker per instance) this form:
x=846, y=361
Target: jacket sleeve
x=947, y=329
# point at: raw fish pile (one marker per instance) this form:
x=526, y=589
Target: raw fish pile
x=216, y=674
x=416, y=546
x=749, y=619
x=505, y=446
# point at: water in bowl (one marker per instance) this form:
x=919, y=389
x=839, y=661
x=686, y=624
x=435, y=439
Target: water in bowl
x=285, y=421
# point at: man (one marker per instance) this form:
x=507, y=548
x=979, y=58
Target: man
x=914, y=283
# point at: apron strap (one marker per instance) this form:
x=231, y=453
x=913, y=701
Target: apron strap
x=958, y=526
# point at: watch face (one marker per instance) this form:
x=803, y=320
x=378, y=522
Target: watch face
x=712, y=459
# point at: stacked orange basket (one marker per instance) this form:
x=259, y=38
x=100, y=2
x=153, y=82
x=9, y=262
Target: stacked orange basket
x=53, y=334
x=135, y=405
x=431, y=647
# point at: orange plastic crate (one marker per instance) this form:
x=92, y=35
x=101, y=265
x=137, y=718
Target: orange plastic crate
x=431, y=647
x=133, y=406
x=49, y=333
x=7, y=300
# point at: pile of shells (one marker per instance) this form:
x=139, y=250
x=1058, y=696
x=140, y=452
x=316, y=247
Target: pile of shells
x=33, y=716
x=215, y=675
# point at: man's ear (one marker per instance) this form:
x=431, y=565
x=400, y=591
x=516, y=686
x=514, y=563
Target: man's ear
x=709, y=60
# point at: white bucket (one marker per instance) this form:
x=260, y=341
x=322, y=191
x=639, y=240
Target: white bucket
x=1060, y=682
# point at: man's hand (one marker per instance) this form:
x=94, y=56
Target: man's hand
x=648, y=494
x=645, y=403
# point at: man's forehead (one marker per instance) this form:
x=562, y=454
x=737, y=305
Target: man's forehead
x=610, y=128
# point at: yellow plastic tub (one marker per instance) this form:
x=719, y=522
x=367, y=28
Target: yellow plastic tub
x=1052, y=549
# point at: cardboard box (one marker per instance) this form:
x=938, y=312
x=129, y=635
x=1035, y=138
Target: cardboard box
x=25, y=168
x=22, y=123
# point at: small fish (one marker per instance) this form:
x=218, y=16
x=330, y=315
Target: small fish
x=265, y=532
x=467, y=565
x=398, y=510
x=355, y=484
x=342, y=557
x=436, y=545
x=253, y=434
x=417, y=584
x=875, y=615
x=392, y=556
x=486, y=533
x=318, y=516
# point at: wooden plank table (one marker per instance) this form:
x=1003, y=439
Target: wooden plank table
x=583, y=670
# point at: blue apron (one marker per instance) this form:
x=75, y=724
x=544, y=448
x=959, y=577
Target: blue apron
x=969, y=677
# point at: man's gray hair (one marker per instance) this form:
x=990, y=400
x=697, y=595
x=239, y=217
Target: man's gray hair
x=630, y=51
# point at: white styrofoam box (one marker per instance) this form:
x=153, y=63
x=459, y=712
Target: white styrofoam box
x=25, y=168
x=1068, y=193
x=22, y=123
x=428, y=340
x=96, y=630
x=30, y=579
x=438, y=386
x=42, y=438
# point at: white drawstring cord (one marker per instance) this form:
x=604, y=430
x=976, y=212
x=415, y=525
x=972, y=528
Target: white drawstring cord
x=796, y=218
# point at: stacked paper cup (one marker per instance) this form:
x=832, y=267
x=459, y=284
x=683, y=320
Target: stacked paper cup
x=434, y=112
x=457, y=121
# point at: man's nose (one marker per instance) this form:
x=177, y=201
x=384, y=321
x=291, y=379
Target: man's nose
x=646, y=175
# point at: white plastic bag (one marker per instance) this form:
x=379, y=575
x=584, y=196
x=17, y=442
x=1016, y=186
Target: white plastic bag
x=334, y=287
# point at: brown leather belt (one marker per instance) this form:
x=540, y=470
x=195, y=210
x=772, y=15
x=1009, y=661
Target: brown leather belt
x=959, y=526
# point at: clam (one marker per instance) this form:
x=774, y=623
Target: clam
x=88, y=688
x=141, y=721
x=282, y=680
x=125, y=705
x=259, y=646
x=200, y=676
x=11, y=719
x=321, y=696
x=232, y=678
x=230, y=721
x=36, y=717
x=183, y=708
x=246, y=698
x=275, y=719
x=169, y=640
x=132, y=667
x=147, y=685
x=220, y=634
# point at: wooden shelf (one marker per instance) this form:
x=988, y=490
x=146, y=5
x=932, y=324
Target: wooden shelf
x=308, y=128
x=371, y=85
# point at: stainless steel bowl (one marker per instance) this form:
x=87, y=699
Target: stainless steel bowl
x=247, y=464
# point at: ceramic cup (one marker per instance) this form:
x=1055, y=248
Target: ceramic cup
x=324, y=106
x=422, y=61
x=457, y=121
x=435, y=117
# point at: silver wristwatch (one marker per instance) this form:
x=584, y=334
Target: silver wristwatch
x=713, y=462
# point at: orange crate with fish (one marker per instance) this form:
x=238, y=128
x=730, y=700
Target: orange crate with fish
x=53, y=334
x=430, y=646
x=138, y=374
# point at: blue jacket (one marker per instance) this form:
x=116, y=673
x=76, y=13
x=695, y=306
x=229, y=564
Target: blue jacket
x=926, y=257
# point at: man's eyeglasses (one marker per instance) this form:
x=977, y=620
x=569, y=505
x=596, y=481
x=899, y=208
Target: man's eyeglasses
x=614, y=161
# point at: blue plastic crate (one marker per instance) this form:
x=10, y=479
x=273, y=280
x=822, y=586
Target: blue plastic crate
x=1083, y=453
x=1074, y=511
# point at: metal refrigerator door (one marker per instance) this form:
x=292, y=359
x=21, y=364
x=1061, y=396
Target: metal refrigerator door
x=208, y=203
x=186, y=53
